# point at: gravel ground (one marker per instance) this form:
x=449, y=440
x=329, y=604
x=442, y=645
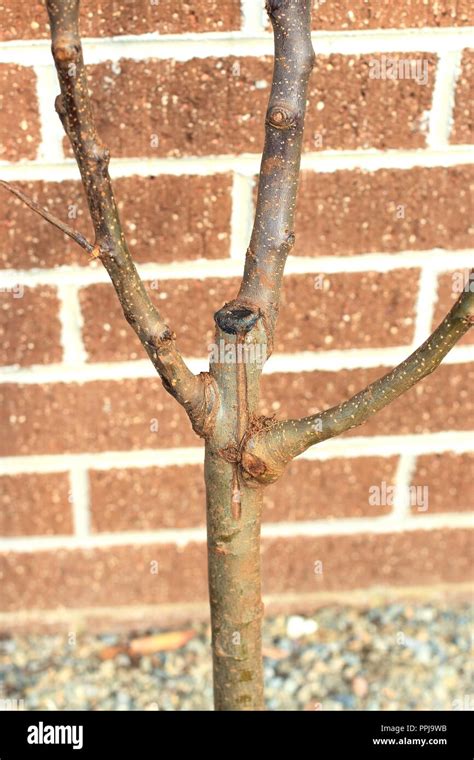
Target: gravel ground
x=389, y=657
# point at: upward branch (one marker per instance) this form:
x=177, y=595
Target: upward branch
x=267, y=453
x=273, y=235
x=195, y=394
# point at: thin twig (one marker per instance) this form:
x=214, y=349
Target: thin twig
x=76, y=236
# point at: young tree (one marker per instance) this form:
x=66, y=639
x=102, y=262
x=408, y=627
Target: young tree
x=244, y=452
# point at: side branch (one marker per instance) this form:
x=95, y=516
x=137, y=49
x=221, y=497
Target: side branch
x=196, y=394
x=269, y=451
x=273, y=235
x=76, y=236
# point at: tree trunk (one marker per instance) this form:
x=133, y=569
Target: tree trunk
x=234, y=508
x=234, y=589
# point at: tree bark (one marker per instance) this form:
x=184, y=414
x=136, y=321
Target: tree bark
x=234, y=509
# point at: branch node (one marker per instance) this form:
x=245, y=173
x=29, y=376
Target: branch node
x=66, y=49
x=237, y=317
x=281, y=117
x=203, y=415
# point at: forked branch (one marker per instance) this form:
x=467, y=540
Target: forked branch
x=273, y=235
x=195, y=393
x=267, y=453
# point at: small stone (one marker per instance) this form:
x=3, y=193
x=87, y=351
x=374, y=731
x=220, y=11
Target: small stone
x=360, y=687
x=297, y=627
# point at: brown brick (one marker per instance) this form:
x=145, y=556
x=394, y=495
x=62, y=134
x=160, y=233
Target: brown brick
x=122, y=415
x=103, y=577
x=328, y=489
x=121, y=575
x=347, y=320
x=350, y=562
x=463, y=128
x=172, y=108
x=349, y=109
x=28, y=240
x=383, y=14
x=449, y=285
x=34, y=505
x=351, y=212
x=30, y=330
x=449, y=480
x=188, y=305
x=94, y=416
x=148, y=499
x=19, y=125
x=442, y=401
x=349, y=311
x=174, y=497
x=165, y=219
x=161, y=108
x=104, y=18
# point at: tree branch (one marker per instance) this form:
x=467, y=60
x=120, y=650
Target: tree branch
x=76, y=236
x=272, y=235
x=268, y=451
x=197, y=394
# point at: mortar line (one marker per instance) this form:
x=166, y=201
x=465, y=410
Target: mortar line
x=241, y=216
x=71, y=319
x=242, y=43
x=183, y=536
x=51, y=131
x=80, y=500
x=438, y=260
x=320, y=162
x=442, y=106
x=426, y=304
x=454, y=441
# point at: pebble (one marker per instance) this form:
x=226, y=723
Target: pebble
x=387, y=657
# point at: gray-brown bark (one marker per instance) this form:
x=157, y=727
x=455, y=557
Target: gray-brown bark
x=268, y=451
x=233, y=523
x=75, y=111
x=244, y=452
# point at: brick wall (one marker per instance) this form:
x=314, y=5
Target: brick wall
x=100, y=473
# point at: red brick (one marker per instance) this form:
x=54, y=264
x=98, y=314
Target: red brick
x=463, y=129
x=442, y=401
x=103, y=577
x=95, y=416
x=35, y=505
x=148, y=499
x=161, y=108
x=449, y=285
x=360, y=310
x=19, y=125
x=313, y=490
x=104, y=18
x=357, y=310
x=412, y=558
x=349, y=109
x=351, y=212
x=174, y=497
x=165, y=219
x=188, y=306
x=448, y=477
x=121, y=575
x=30, y=331
x=383, y=14
x=170, y=100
